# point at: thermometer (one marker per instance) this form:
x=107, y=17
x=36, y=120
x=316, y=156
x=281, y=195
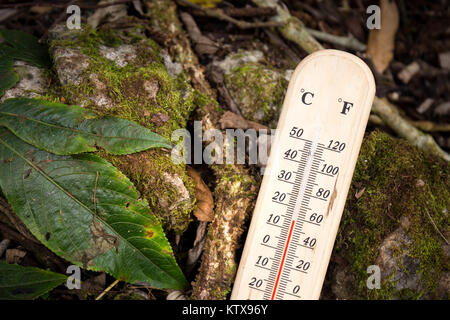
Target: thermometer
x=306, y=181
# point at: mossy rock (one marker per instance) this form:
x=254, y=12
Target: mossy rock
x=396, y=217
x=121, y=72
x=257, y=88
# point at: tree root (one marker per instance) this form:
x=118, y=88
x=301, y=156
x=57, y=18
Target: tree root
x=241, y=24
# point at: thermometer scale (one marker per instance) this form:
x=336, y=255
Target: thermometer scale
x=307, y=178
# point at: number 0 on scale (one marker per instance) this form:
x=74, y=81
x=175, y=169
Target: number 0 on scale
x=307, y=178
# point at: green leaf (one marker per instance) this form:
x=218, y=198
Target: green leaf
x=20, y=283
x=23, y=46
x=86, y=211
x=63, y=129
x=8, y=77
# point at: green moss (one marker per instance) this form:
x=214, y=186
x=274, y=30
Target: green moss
x=88, y=39
x=258, y=90
x=142, y=91
x=201, y=100
x=163, y=14
x=400, y=182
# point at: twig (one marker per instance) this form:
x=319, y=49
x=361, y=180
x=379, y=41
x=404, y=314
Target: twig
x=349, y=42
x=431, y=126
x=435, y=226
x=203, y=45
x=219, y=14
x=293, y=29
x=62, y=5
x=107, y=290
x=247, y=12
x=390, y=115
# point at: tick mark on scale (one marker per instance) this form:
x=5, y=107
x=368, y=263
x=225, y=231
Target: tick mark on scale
x=298, y=205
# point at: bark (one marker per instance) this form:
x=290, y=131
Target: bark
x=235, y=191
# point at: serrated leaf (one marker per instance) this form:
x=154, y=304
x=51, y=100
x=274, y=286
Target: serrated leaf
x=63, y=129
x=25, y=283
x=23, y=46
x=86, y=211
x=8, y=77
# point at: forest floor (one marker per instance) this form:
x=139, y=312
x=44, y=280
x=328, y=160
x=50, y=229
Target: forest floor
x=416, y=79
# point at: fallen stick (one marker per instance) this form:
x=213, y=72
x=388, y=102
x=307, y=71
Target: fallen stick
x=202, y=45
x=429, y=126
x=349, y=42
x=392, y=118
x=241, y=24
x=112, y=285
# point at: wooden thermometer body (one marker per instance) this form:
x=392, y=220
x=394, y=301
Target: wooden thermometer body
x=307, y=178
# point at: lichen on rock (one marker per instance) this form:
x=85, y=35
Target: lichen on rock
x=257, y=88
x=123, y=73
x=396, y=217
